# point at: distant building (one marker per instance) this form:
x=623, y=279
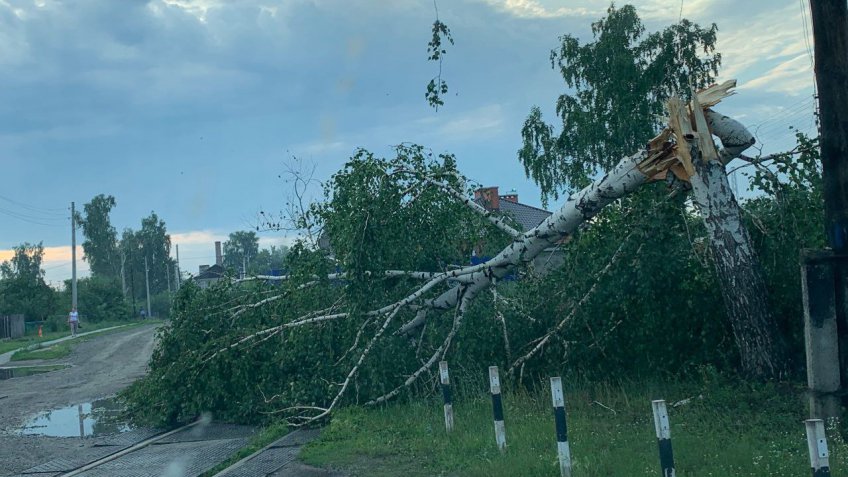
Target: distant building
x=526, y=216
x=209, y=275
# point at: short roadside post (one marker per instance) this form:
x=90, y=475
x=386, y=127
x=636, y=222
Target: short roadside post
x=497, y=407
x=563, y=452
x=446, y=394
x=817, y=445
x=661, y=425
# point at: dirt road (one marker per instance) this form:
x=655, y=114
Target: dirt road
x=100, y=366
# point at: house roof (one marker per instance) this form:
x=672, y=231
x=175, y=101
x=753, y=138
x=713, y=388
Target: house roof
x=527, y=216
x=213, y=272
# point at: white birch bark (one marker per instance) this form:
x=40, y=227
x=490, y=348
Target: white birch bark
x=743, y=287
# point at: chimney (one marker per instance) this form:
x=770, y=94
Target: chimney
x=511, y=196
x=489, y=197
x=219, y=260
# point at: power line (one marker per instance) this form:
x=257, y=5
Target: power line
x=43, y=210
x=29, y=219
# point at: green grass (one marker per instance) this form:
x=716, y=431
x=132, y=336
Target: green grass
x=736, y=429
x=60, y=350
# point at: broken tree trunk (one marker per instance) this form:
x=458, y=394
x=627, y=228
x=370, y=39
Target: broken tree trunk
x=743, y=288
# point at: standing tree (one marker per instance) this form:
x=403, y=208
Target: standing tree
x=240, y=249
x=153, y=243
x=101, y=238
x=22, y=286
x=268, y=260
x=621, y=82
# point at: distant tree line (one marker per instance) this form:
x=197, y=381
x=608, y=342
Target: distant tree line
x=116, y=288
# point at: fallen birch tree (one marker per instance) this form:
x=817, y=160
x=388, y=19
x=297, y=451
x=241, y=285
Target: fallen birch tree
x=678, y=154
x=339, y=324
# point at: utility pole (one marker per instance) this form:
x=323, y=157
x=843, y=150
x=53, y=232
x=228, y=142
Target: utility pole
x=147, y=284
x=123, y=275
x=830, y=36
x=73, y=257
x=132, y=287
x=177, y=268
x=168, y=275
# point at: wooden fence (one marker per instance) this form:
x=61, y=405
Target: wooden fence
x=11, y=326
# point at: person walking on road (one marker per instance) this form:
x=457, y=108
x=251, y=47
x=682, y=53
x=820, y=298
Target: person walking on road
x=73, y=321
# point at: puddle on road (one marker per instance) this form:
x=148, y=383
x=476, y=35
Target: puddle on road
x=90, y=419
x=23, y=371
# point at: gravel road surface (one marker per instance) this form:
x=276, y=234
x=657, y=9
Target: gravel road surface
x=100, y=366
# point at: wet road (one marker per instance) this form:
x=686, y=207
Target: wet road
x=100, y=367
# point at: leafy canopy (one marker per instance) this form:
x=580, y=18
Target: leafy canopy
x=617, y=85
x=101, y=238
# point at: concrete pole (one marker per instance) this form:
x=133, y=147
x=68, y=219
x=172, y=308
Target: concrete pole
x=497, y=407
x=446, y=394
x=147, y=284
x=177, y=269
x=663, y=431
x=563, y=449
x=73, y=257
x=168, y=275
x=817, y=447
x=821, y=340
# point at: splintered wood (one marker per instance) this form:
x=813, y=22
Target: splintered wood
x=685, y=123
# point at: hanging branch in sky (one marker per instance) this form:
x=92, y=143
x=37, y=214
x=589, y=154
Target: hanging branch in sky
x=437, y=88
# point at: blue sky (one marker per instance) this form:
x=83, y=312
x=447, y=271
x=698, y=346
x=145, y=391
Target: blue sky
x=191, y=108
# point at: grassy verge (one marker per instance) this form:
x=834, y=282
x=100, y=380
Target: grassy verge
x=56, y=351
x=735, y=429
x=60, y=350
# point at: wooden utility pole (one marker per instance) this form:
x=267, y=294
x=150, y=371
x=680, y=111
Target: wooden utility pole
x=73, y=257
x=147, y=285
x=830, y=32
x=830, y=35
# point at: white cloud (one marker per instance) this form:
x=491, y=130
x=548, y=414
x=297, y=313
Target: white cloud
x=195, y=237
x=480, y=122
x=648, y=9
x=793, y=76
x=763, y=44
x=539, y=9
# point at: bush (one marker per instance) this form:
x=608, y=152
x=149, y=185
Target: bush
x=98, y=299
x=160, y=305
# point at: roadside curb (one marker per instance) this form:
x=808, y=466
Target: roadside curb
x=7, y=356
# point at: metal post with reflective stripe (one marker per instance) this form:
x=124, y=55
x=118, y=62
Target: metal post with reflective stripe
x=446, y=394
x=563, y=451
x=497, y=407
x=817, y=445
x=663, y=429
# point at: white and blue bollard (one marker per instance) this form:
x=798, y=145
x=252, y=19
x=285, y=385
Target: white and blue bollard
x=497, y=407
x=817, y=445
x=446, y=394
x=563, y=451
x=663, y=429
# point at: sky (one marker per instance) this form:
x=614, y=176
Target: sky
x=195, y=109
